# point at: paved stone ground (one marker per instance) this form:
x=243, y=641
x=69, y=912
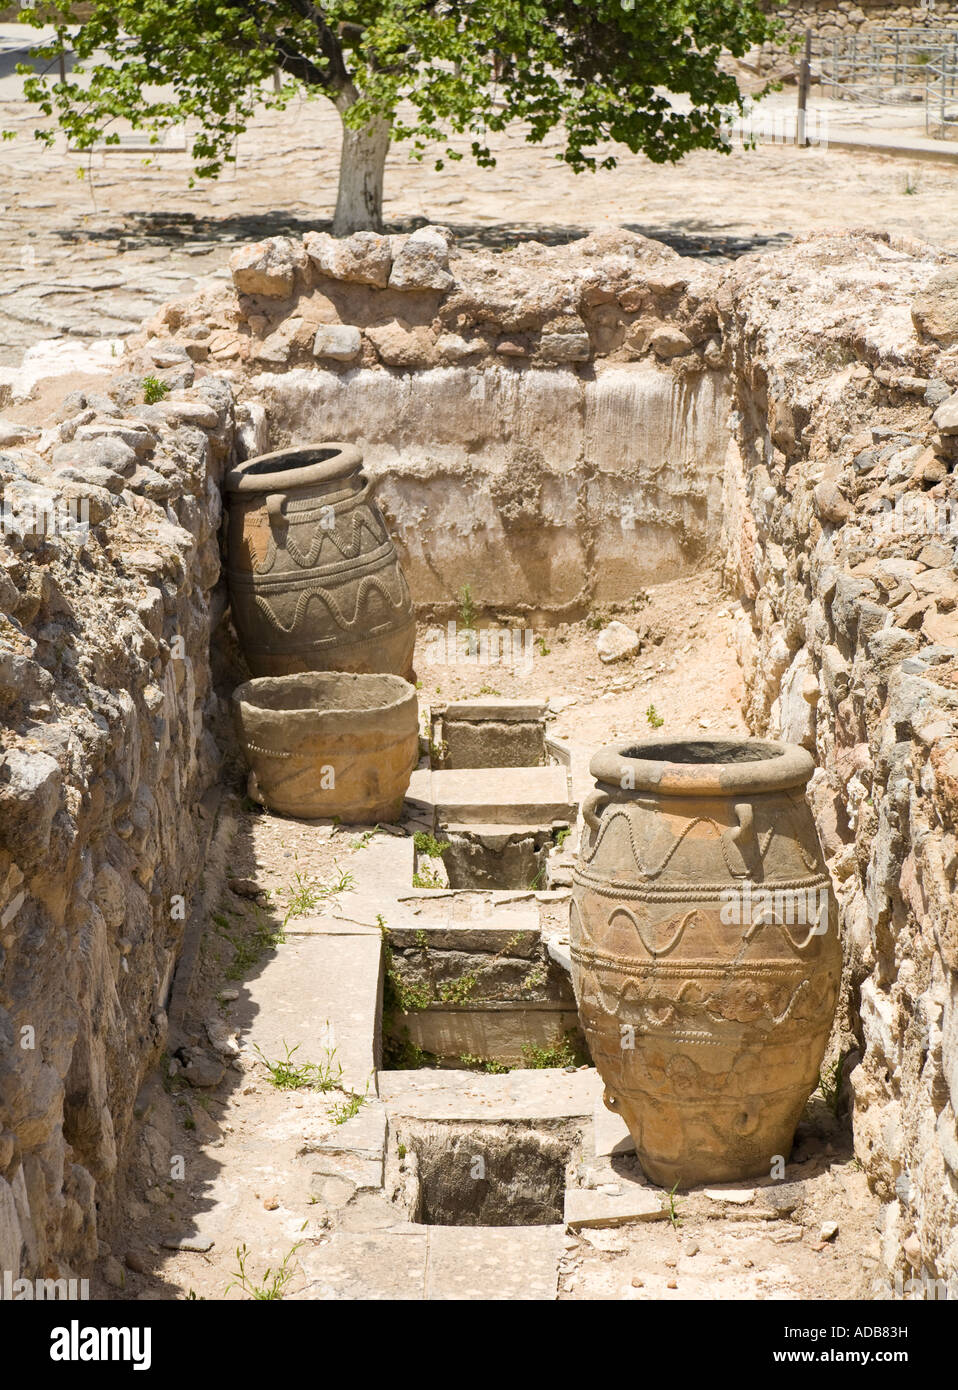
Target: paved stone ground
x=91, y=256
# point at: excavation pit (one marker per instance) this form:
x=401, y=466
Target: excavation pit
x=506, y=1174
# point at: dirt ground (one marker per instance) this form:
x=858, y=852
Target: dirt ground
x=238, y=1138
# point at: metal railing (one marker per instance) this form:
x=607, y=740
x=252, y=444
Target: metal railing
x=892, y=67
x=941, y=97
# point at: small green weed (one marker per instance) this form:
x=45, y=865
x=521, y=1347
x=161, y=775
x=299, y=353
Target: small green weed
x=273, y=1283
x=287, y=1075
x=561, y=1053
x=428, y=844
x=675, y=1218
x=346, y=1109
x=427, y=878
x=486, y=1064
x=467, y=609
x=154, y=390
x=655, y=719
x=830, y=1083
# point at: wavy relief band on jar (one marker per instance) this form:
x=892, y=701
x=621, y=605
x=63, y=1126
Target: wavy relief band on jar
x=705, y=950
x=315, y=582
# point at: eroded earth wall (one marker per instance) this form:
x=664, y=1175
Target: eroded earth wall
x=546, y=424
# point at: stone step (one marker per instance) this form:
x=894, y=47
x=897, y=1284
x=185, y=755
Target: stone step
x=493, y=1262
x=318, y=991
x=518, y=796
x=529, y=1094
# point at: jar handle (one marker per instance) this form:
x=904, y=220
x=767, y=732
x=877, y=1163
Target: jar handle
x=742, y=840
x=274, y=509
x=591, y=805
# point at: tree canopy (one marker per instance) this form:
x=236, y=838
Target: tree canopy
x=422, y=71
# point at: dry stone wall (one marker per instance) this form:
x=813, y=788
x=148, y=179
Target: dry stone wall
x=109, y=564
x=829, y=19
x=841, y=534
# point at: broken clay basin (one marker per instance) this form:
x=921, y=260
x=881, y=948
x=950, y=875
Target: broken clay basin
x=325, y=743
x=705, y=950
x=315, y=582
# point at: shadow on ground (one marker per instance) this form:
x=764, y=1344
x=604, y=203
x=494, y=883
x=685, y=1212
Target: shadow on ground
x=172, y=228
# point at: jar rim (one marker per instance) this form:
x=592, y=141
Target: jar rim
x=299, y=697
x=690, y=765
x=302, y=466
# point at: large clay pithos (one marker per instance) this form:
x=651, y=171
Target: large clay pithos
x=705, y=950
x=325, y=744
x=315, y=583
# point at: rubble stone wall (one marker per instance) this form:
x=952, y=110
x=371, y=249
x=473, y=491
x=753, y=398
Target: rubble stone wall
x=109, y=565
x=841, y=532
x=829, y=19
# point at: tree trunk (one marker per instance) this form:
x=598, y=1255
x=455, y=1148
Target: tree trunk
x=359, y=206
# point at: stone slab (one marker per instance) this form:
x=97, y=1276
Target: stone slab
x=465, y=1095
x=498, y=1032
x=561, y=952
x=382, y=871
x=317, y=991
x=502, y=796
x=329, y=926
x=362, y=1137
x=375, y=1265
x=493, y=1263
x=512, y=909
x=360, y=1174
x=463, y=936
x=585, y=1207
x=738, y=1196
x=498, y=711
x=610, y=1134
x=419, y=791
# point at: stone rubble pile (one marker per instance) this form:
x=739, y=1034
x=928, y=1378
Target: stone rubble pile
x=413, y=302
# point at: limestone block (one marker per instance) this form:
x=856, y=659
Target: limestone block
x=422, y=263
x=267, y=267
x=29, y=797
x=399, y=344
x=341, y=342
x=616, y=642
x=934, y=309
x=365, y=258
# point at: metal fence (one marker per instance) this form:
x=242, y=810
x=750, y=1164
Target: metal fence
x=891, y=67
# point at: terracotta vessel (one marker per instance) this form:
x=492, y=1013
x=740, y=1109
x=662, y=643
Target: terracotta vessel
x=324, y=744
x=705, y=950
x=315, y=584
